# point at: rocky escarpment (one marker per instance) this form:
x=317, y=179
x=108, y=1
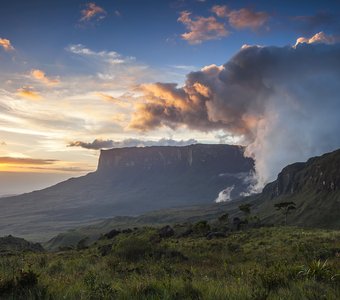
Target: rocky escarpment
x=319, y=173
x=200, y=157
x=315, y=188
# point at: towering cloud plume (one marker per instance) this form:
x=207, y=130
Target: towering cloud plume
x=282, y=102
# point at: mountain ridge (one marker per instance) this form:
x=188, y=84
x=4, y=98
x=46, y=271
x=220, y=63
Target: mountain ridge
x=313, y=185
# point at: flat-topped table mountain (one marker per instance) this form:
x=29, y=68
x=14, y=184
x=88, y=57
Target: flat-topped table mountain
x=129, y=181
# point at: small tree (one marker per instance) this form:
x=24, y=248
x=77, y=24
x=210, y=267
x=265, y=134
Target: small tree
x=245, y=208
x=285, y=208
x=201, y=227
x=224, y=218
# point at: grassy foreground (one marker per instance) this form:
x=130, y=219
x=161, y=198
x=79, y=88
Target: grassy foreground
x=263, y=263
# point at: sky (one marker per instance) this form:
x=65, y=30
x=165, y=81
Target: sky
x=78, y=76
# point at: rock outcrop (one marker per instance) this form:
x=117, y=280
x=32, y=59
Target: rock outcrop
x=318, y=173
x=315, y=188
x=10, y=244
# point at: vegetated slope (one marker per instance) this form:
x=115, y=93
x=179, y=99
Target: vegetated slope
x=315, y=188
x=155, y=218
x=10, y=244
x=128, y=181
x=263, y=263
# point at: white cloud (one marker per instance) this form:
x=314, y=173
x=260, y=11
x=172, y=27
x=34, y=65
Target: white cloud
x=320, y=37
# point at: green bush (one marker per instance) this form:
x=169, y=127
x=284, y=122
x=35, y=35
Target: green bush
x=201, y=228
x=96, y=288
x=133, y=248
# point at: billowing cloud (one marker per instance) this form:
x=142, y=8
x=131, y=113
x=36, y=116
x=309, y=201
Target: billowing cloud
x=91, y=11
x=28, y=92
x=198, y=106
x=41, y=77
x=242, y=18
x=105, y=144
x=26, y=161
x=320, y=37
x=6, y=44
x=282, y=102
x=201, y=29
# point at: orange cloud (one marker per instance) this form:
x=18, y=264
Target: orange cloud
x=91, y=11
x=26, y=161
x=111, y=99
x=164, y=104
x=6, y=44
x=320, y=37
x=41, y=76
x=107, y=97
x=28, y=93
x=243, y=18
x=201, y=29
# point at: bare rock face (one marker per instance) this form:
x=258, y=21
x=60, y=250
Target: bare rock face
x=320, y=174
x=199, y=158
x=314, y=186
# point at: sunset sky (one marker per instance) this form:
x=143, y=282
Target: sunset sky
x=77, y=76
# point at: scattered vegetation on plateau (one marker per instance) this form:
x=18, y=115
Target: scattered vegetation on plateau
x=187, y=261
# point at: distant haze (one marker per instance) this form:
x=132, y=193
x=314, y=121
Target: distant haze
x=12, y=183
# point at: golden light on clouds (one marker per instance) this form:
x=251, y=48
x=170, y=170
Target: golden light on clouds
x=41, y=76
x=25, y=161
x=6, y=44
x=35, y=165
x=242, y=18
x=29, y=93
x=320, y=37
x=111, y=99
x=22, y=164
x=201, y=29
